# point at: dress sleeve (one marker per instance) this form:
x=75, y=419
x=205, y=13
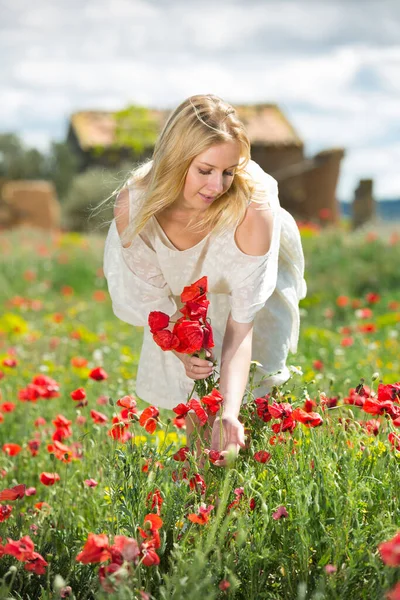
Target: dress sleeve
x=257, y=279
x=135, y=281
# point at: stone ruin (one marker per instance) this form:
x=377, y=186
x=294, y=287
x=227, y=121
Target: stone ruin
x=29, y=204
x=364, y=207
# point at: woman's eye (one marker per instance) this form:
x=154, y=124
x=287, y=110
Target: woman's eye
x=228, y=173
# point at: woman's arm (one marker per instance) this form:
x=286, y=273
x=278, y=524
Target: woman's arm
x=235, y=364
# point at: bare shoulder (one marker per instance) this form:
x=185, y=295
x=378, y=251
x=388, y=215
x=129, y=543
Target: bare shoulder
x=121, y=211
x=254, y=234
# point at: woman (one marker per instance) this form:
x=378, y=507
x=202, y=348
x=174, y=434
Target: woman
x=201, y=207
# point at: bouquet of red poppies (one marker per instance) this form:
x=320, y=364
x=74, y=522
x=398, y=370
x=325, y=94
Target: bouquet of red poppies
x=191, y=333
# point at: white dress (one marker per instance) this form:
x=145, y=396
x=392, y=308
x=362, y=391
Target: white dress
x=151, y=273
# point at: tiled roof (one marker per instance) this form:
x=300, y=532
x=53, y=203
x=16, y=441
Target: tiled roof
x=265, y=124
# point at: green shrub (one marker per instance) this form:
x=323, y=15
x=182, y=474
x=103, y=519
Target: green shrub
x=88, y=206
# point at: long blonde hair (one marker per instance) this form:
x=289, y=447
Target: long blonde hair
x=195, y=125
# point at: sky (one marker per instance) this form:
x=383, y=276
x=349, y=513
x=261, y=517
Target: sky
x=333, y=67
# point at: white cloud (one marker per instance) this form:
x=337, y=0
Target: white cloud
x=337, y=77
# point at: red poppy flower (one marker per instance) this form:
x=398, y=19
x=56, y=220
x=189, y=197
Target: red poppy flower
x=309, y=405
x=167, y=340
x=224, y=585
x=91, y=482
x=390, y=551
x=33, y=446
x=199, y=411
x=181, y=454
x=179, y=422
x=190, y=335
x=262, y=456
x=119, y=430
x=372, y=298
x=152, y=522
x=47, y=387
x=12, y=449
x=347, y=341
x=7, y=407
x=263, y=408
x=98, y=374
x=197, y=483
x=30, y=491
x=98, y=417
x=39, y=421
x=79, y=362
x=157, y=321
x=36, y=564
x=280, y=410
x=127, y=402
x=203, y=516
x=78, y=394
x=195, y=311
x=181, y=410
x=5, y=512
x=394, y=593
x=310, y=419
x=374, y=407
x=394, y=440
x=20, y=549
x=96, y=549
x=318, y=365
x=281, y=512
x=214, y=456
x=287, y=424
x=213, y=401
x=127, y=547
x=195, y=291
x=10, y=362
x=342, y=300
x=389, y=392
x=156, y=500
x=150, y=557
x=18, y=491
x=49, y=478
x=60, y=451
x=148, y=418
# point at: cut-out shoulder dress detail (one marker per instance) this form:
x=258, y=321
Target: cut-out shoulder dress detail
x=151, y=273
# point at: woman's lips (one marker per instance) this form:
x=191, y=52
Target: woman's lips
x=208, y=199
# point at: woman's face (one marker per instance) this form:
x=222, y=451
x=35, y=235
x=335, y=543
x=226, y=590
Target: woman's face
x=210, y=175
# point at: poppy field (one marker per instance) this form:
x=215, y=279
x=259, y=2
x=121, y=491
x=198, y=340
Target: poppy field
x=100, y=495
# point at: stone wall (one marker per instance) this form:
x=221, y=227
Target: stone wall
x=29, y=203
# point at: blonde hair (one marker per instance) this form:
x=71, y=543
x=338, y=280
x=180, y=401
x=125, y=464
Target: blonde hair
x=195, y=125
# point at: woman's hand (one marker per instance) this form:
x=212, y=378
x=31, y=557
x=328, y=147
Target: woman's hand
x=195, y=367
x=227, y=434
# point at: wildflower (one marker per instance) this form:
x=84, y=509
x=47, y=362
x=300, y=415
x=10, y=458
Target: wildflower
x=49, y=478
x=157, y=321
x=197, y=483
x=390, y=551
x=181, y=454
x=5, y=512
x=281, y=512
x=91, y=482
x=78, y=394
x=262, y=456
x=98, y=374
x=98, y=417
x=199, y=411
x=310, y=419
x=18, y=491
x=96, y=549
x=12, y=449
x=119, y=430
x=148, y=418
x=203, y=515
x=213, y=401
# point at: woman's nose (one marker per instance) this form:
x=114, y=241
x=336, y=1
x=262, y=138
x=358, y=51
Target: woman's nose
x=216, y=184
